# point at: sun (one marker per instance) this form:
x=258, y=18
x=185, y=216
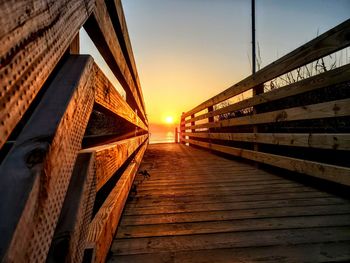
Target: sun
x=169, y=120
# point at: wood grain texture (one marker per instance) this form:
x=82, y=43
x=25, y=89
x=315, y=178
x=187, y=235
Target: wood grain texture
x=319, y=252
x=34, y=36
x=117, y=12
x=110, y=157
x=329, y=172
x=101, y=31
x=330, y=41
x=108, y=97
x=181, y=214
x=36, y=172
x=330, y=109
x=328, y=78
x=68, y=243
x=105, y=222
x=335, y=141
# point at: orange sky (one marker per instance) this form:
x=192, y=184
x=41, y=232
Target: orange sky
x=187, y=51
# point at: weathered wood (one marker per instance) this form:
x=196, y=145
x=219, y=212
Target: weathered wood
x=100, y=29
x=329, y=78
x=151, y=205
x=228, y=202
x=108, y=97
x=316, y=252
x=109, y=158
x=105, y=222
x=178, y=216
x=205, y=216
x=336, y=141
x=70, y=235
x=231, y=240
x=327, y=43
x=116, y=11
x=330, y=109
x=196, y=228
x=33, y=37
x=74, y=47
x=36, y=172
x=329, y=172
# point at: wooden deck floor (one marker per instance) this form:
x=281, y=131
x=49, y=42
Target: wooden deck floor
x=198, y=207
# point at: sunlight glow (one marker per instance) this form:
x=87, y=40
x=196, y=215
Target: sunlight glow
x=169, y=120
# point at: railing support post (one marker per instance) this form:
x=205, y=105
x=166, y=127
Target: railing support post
x=176, y=136
x=192, y=130
x=182, y=128
x=256, y=91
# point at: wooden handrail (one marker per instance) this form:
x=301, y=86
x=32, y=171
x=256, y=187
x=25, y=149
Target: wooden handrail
x=51, y=99
x=291, y=127
x=327, y=43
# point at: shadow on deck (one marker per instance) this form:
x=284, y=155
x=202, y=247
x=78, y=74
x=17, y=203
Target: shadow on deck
x=199, y=207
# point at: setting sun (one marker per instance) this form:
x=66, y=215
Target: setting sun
x=169, y=120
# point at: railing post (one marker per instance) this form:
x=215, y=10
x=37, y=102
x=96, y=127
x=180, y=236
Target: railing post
x=257, y=90
x=74, y=47
x=176, y=136
x=182, y=128
x=210, y=109
x=192, y=123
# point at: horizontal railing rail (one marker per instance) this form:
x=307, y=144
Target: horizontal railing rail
x=70, y=145
x=302, y=126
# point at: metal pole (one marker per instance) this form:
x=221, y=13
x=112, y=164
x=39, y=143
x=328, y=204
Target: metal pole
x=253, y=38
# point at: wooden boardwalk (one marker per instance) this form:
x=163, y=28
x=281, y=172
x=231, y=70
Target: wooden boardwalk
x=199, y=207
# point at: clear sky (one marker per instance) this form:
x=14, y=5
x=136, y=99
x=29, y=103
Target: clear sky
x=187, y=51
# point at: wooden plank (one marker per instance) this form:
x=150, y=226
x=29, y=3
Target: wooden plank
x=70, y=235
x=327, y=43
x=108, y=97
x=337, y=108
x=164, y=222
x=115, y=8
x=186, y=194
x=34, y=36
x=74, y=47
x=335, y=141
x=36, y=172
x=110, y=157
x=105, y=222
x=298, y=199
x=100, y=29
x=231, y=240
x=176, y=229
x=141, y=220
x=151, y=203
x=213, y=184
x=329, y=172
x=328, y=78
x=316, y=252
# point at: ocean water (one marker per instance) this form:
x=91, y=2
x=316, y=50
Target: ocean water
x=162, y=137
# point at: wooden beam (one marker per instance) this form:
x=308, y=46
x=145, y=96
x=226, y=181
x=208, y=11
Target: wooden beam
x=335, y=141
x=104, y=224
x=36, y=172
x=33, y=37
x=110, y=157
x=74, y=47
x=115, y=8
x=327, y=43
x=68, y=243
x=100, y=29
x=108, y=97
x=337, y=108
x=329, y=78
x=328, y=172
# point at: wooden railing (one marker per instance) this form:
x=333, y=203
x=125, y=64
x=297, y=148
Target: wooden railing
x=70, y=144
x=303, y=126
